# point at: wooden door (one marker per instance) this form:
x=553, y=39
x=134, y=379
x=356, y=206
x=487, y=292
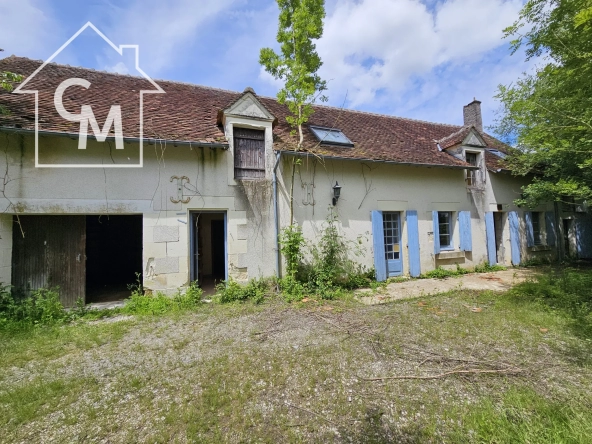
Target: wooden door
x=52, y=253
x=391, y=223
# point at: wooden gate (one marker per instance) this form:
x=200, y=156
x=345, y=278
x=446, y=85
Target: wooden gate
x=51, y=254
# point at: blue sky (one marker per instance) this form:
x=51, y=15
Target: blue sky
x=410, y=58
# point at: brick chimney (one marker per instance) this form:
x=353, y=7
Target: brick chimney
x=472, y=115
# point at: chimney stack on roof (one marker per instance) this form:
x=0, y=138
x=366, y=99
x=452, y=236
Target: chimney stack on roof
x=472, y=115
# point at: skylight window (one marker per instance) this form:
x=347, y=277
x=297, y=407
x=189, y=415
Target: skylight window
x=331, y=136
x=498, y=153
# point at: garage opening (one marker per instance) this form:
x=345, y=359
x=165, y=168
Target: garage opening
x=113, y=256
x=208, y=249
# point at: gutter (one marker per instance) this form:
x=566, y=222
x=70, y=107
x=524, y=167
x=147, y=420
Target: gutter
x=392, y=162
x=275, y=215
x=112, y=138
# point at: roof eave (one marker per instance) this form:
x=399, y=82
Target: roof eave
x=148, y=140
x=392, y=162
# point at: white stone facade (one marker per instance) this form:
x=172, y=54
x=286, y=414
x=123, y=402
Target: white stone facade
x=206, y=177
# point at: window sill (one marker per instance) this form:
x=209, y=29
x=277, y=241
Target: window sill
x=450, y=254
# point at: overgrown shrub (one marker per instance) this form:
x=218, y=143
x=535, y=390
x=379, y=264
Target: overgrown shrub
x=326, y=270
x=487, y=268
x=535, y=262
x=291, y=243
x=41, y=307
x=330, y=269
x=438, y=273
x=292, y=289
x=146, y=304
x=231, y=291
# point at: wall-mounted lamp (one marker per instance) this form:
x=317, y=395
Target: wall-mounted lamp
x=336, y=193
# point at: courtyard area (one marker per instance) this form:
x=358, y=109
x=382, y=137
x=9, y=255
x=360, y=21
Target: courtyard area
x=462, y=366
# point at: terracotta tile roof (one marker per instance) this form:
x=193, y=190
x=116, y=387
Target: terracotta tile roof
x=455, y=138
x=493, y=162
x=189, y=113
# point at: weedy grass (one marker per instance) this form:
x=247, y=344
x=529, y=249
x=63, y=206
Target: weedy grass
x=313, y=371
x=443, y=273
x=140, y=303
x=523, y=415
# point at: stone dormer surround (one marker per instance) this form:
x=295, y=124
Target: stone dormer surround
x=248, y=112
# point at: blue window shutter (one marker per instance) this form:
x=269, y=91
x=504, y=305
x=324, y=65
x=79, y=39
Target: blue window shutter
x=529, y=230
x=378, y=242
x=413, y=243
x=584, y=236
x=436, y=232
x=466, y=238
x=550, y=223
x=514, y=237
x=490, y=233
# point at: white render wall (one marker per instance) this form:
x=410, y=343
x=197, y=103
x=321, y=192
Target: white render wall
x=385, y=187
x=251, y=247
x=147, y=191
x=368, y=186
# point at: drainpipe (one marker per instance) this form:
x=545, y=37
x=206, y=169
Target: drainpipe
x=275, y=215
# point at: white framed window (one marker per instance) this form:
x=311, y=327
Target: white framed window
x=445, y=229
x=473, y=160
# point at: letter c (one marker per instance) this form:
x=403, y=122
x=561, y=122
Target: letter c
x=58, y=98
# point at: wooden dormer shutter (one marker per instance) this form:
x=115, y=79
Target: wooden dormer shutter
x=249, y=153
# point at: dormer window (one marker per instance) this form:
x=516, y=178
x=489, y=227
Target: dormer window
x=249, y=153
x=331, y=136
x=473, y=160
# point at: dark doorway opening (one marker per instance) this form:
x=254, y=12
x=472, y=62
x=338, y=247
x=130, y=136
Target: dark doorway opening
x=113, y=256
x=567, y=226
x=208, y=249
x=498, y=224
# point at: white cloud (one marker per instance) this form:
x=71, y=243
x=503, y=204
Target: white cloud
x=164, y=30
x=119, y=68
x=376, y=50
x=469, y=27
x=26, y=30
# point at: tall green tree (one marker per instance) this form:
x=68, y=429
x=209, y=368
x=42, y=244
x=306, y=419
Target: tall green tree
x=297, y=65
x=548, y=114
x=8, y=78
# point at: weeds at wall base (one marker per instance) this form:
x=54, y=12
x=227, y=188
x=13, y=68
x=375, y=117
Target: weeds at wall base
x=442, y=273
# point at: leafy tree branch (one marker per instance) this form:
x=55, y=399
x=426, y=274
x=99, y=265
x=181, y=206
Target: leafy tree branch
x=547, y=115
x=297, y=65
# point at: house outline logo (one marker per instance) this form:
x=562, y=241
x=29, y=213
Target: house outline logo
x=86, y=115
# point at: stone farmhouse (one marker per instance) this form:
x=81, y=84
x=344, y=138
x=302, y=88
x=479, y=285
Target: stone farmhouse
x=204, y=195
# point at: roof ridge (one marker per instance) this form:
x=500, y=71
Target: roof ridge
x=370, y=113
x=212, y=88
x=456, y=133
x=102, y=71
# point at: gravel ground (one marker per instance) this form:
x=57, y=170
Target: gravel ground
x=281, y=373
x=413, y=288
